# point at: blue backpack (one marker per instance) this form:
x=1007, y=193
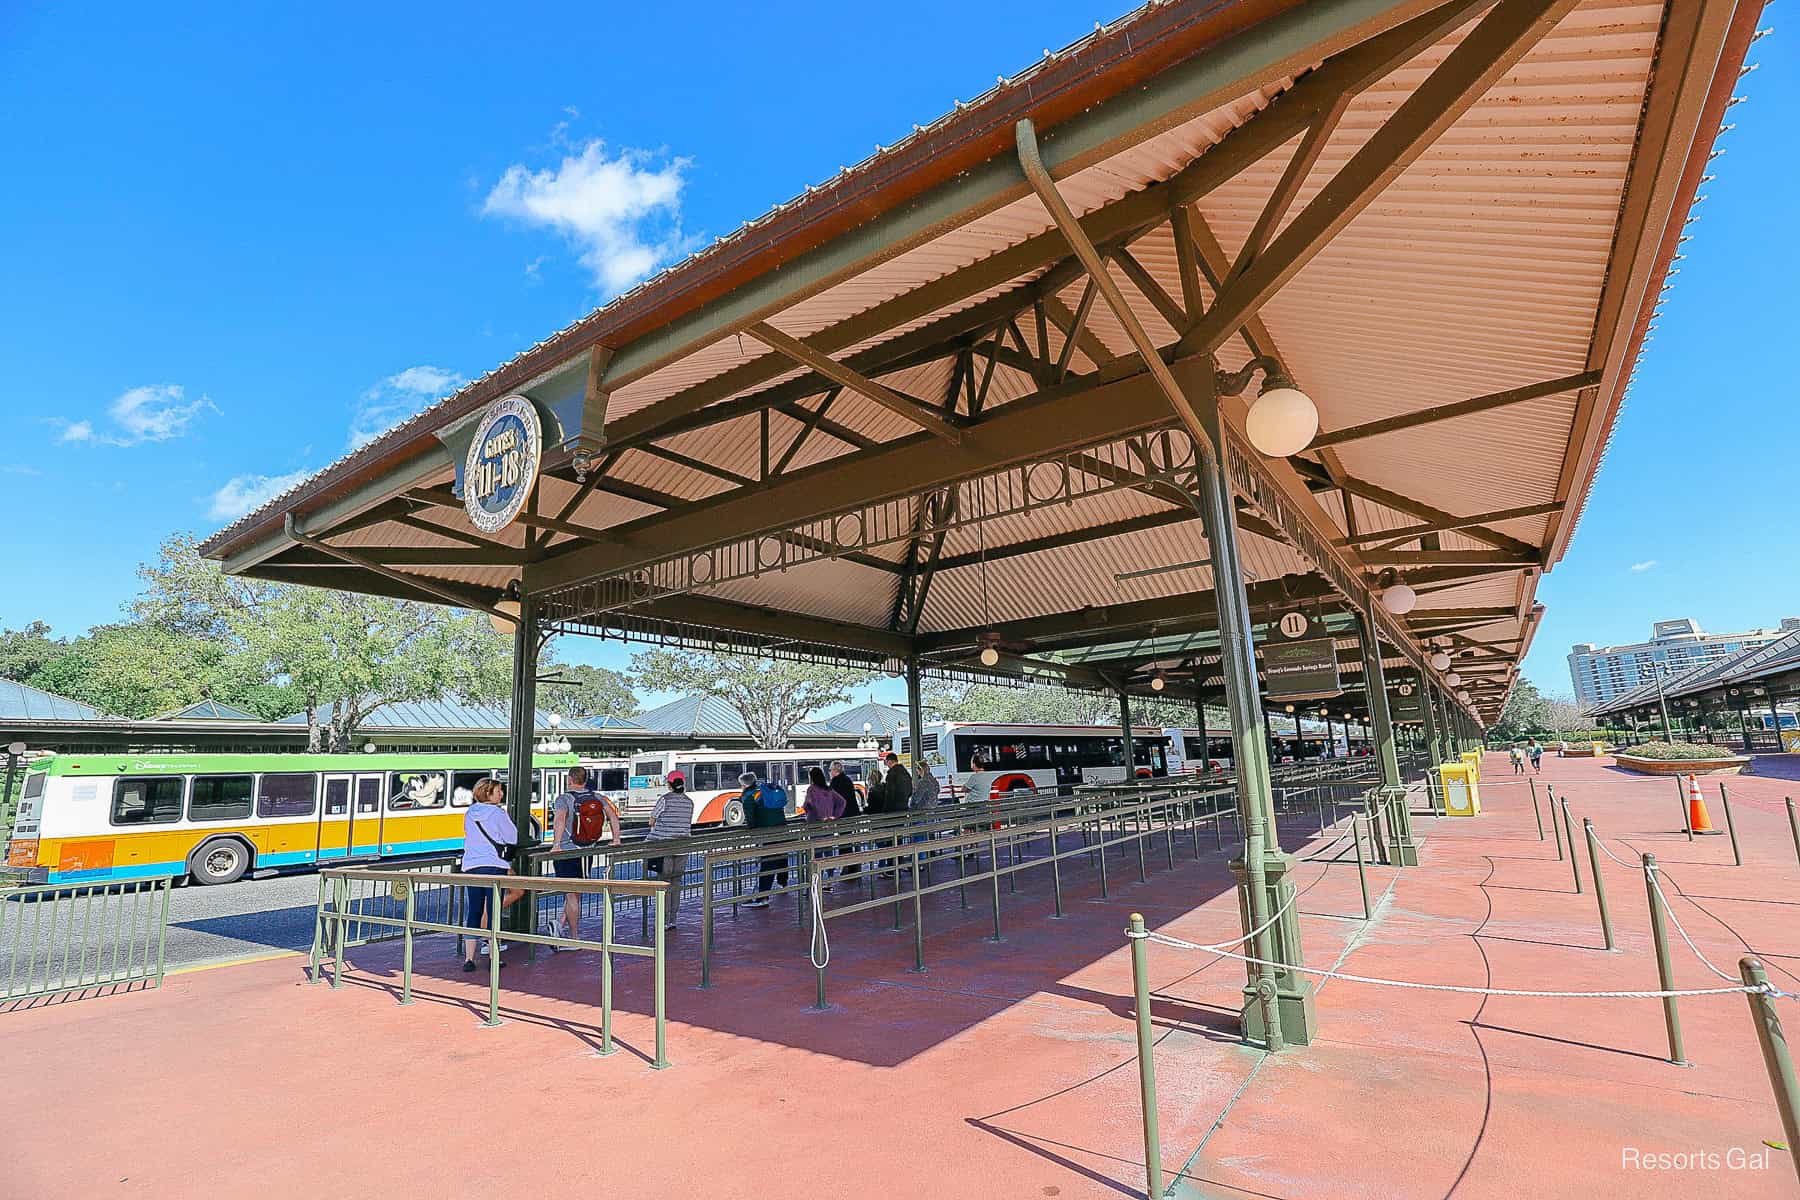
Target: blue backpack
x=770, y=794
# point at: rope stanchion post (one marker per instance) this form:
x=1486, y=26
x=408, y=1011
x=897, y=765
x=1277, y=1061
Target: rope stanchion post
x=1776, y=1056
x=918, y=917
x=1056, y=868
x=1568, y=825
x=1665, y=971
x=1535, y=811
x=607, y=929
x=706, y=920
x=1687, y=820
x=661, y=971
x=994, y=875
x=1555, y=827
x=1146, y=1043
x=1362, y=877
x=1593, y=846
x=1793, y=825
x=1737, y=856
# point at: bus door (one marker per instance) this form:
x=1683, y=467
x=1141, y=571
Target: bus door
x=335, y=818
x=365, y=819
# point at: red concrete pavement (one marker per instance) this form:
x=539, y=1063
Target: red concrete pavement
x=1005, y=1070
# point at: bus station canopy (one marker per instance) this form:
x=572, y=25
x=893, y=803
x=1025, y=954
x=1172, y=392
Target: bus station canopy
x=903, y=415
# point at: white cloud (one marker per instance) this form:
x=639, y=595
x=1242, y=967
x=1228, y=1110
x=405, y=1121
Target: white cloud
x=396, y=398
x=157, y=412
x=19, y=469
x=622, y=211
x=247, y=493
x=1643, y=566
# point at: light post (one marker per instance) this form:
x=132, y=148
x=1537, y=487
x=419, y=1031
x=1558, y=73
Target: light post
x=1657, y=670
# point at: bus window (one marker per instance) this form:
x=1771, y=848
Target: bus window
x=614, y=779
x=758, y=769
x=728, y=774
x=220, y=798
x=705, y=776
x=649, y=767
x=287, y=796
x=368, y=795
x=154, y=801
x=462, y=787
x=416, y=789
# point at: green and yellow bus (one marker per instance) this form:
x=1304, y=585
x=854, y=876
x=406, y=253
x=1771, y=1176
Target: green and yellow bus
x=217, y=817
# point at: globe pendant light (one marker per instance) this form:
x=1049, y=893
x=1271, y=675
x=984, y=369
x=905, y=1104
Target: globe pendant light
x=1440, y=661
x=1453, y=679
x=1283, y=421
x=1399, y=599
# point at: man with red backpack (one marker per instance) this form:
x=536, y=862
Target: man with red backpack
x=582, y=818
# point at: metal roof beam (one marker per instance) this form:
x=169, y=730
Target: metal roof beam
x=1462, y=408
x=918, y=413
x=1083, y=412
x=1392, y=538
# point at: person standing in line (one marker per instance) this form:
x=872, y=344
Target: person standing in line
x=925, y=793
x=765, y=803
x=577, y=815
x=874, y=792
x=897, y=786
x=489, y=837
x=670, y=819
x=822, y=802
x=844, y=786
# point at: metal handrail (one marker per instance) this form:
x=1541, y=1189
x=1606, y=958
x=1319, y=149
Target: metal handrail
x=69, y=937
x=332, y=920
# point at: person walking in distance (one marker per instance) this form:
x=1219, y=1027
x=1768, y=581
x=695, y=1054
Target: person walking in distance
x=489, y=841
x=672, y=818
x=581, y=817
x=1536, y=752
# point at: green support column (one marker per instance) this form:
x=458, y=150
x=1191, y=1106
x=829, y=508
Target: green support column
x=1278, y=1006
x=915, y=713
x=1125, y=731
x=1428, y=704
x=1397, y=822
x=522, y=728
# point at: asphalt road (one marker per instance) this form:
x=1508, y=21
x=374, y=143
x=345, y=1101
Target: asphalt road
x=251, y=916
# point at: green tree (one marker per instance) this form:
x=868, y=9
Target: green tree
x=1033, y=704
x=772, y=695
x=338, y=655
x=25, y=652
x=137, y=670
x=591, y=692
x=1526, y=713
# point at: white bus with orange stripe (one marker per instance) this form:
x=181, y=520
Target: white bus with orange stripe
x=980, y=760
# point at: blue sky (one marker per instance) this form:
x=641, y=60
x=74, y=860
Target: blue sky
x=236, y=241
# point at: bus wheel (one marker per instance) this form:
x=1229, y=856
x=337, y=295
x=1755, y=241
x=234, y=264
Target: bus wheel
x=734, y=815
x=222, y=860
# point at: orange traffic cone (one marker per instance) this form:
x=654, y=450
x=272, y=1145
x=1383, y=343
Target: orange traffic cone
x=1698, y=820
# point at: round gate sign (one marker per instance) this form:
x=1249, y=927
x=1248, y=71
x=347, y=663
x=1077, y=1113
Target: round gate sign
x=1293, y=624
x=502, y=464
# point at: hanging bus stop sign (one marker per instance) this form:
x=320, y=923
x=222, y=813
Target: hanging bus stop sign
x=1406, y=701
x=1300, y=659
x=502, y=464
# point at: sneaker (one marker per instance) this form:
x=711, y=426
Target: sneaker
x=468, y=966
x=759, y=902
x=504, y=947
x=669, y=925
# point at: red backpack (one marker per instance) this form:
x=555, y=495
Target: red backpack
x=590, y=818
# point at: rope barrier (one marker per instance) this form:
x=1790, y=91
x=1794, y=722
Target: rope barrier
x=1739, y=989
x=820, y=949
x=1669, y=912
x=1319, y=855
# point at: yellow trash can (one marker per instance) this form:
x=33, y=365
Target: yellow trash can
x=1472, y=758
x=1461, y=789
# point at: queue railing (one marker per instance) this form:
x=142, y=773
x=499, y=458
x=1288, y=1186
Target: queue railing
x=62, y=938
x=337, y=912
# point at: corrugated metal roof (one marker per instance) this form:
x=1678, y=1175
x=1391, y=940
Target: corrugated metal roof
x=208, y=710
x=429, y=714
x=707, y=715
x=882, y=719
x=22, y=702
